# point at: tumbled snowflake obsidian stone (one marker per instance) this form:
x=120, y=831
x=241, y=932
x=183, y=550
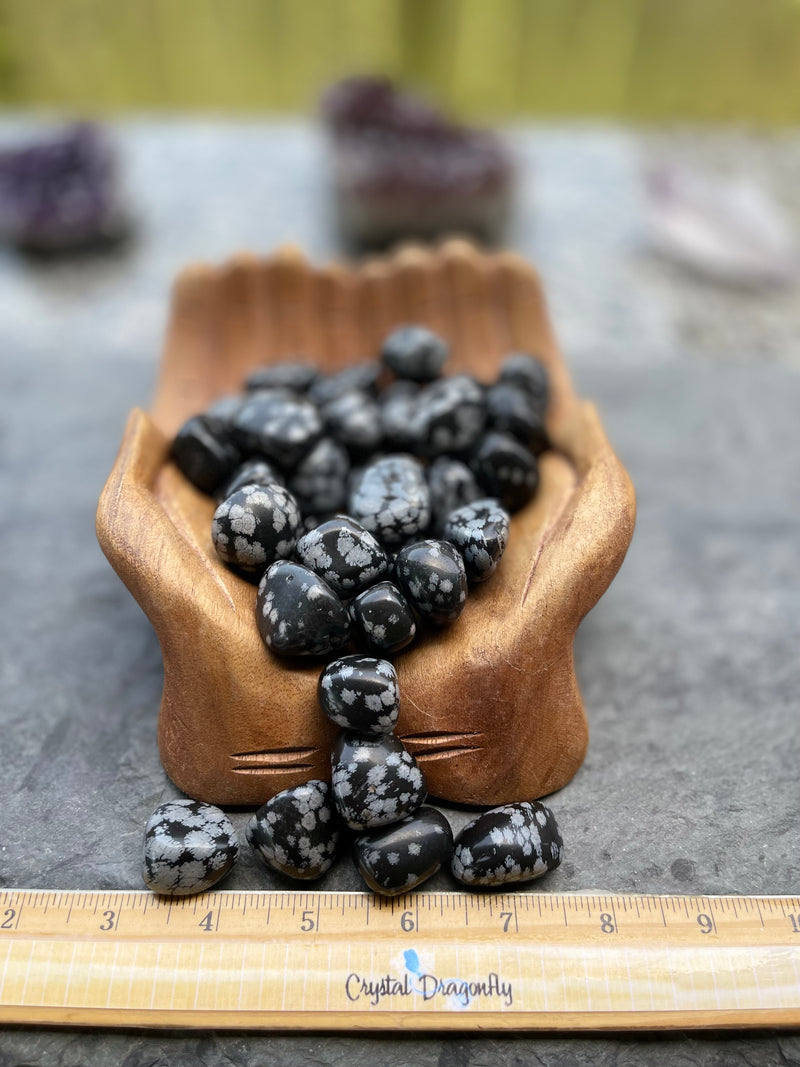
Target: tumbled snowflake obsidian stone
x=397, y=402
x=357, y=376
x=343, y=553
x=509, y=409
x=452, y=484
x=414, y=352
x=295, y=375
x=513, y=843
x=277, y=424
x=297, y=831
x=383, y=619
x=505, y=469
x=255, y=526
x=376, y=781
x=480, y=533
x=188, y=847
x=449, y=416
x=528, y=373
x=360, y=694
x=354, y=419
x=319, y=481
x=390, y=498
x=204, y=453
x=432, y=577
x=403, y=856
x=298, y=614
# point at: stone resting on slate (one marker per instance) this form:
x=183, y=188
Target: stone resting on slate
x=490, y=706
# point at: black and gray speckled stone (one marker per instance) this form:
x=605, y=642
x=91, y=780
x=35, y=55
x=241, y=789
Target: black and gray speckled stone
x=295, y=375
x=512, y=843
x=415, y=353
x=390, y=497
x=452, y=484
x=256, y=525
x=528, y=373
x=354, y=419
x=297, y=831
x=432, y=577
x=383, y=619
x=397, y=402
x=449, y=416
x=188, y=847
x=360, y=694
x=480, y=533
x=360, y=376
x=204, y=452
x=403, y=856
x=343, y=553
x=509, y=409
x=278, y=424
x=298, y=614
x=319, y=480
x=375, y=781
x=505, y=469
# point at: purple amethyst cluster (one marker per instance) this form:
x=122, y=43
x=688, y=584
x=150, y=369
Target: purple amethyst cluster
x=401, y=169
x=62, y=193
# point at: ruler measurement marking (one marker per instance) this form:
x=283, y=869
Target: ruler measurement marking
x=689, y=969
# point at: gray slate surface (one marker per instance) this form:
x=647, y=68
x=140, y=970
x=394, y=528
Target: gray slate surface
x=689, y=665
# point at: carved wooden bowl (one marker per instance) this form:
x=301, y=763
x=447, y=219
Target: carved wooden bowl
x=489, y=705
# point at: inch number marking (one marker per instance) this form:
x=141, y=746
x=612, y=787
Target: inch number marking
x=307, y=923
x=705, y=922
x=10, y=914
x=110, y=920
x=793, y=919
x=506, y=916
x=207, y=922
x=607, y=924
x=407, y=921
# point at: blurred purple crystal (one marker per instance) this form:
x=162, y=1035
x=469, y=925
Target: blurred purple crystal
x=62, y=193
x=402, y=169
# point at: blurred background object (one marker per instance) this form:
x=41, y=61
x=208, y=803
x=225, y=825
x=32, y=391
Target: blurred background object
x=712, y=60
x=62, y=193
x=401, y=169
x=728, y=230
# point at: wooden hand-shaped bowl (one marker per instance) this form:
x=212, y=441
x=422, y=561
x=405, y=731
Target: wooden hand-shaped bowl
x=489, y=705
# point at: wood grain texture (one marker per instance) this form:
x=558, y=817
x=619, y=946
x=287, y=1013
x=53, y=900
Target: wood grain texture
x=490, y=705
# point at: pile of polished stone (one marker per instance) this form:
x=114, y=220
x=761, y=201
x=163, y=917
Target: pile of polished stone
x=361, y=513
x=376, y=795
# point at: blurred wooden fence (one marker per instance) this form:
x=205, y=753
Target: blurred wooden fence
x=640, y=59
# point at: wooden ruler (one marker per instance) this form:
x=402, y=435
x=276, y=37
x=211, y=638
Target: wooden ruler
x=426, y=961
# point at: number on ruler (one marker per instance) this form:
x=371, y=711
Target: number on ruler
x=793, y=919
x=706, y=923
x=10, y=915
x=407, y=921
x=307, y=924
x=506, y=916
x=607, y=924
x=206, y=923
x=110, y=920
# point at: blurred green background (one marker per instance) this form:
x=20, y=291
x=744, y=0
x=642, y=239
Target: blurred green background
x=709, y=60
